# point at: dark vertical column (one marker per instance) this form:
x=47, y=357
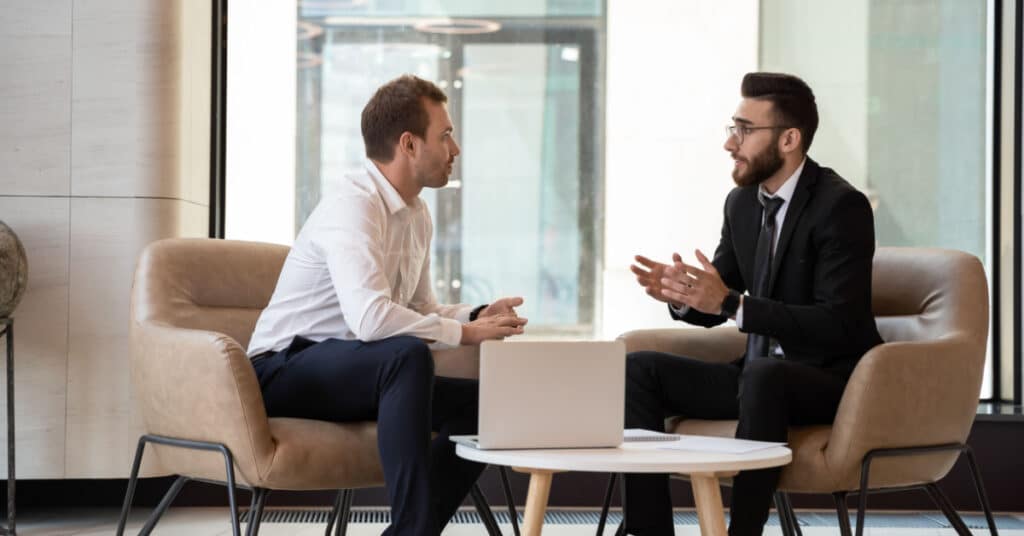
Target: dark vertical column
x=218, y=113
x=1018, y=66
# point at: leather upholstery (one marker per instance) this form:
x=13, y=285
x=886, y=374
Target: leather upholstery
x=194, y=305
x=919, y=388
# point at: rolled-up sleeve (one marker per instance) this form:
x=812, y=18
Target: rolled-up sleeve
x=352, y=244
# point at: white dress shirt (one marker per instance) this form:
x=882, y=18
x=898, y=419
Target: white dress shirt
x=359, y=269
x=785, y=192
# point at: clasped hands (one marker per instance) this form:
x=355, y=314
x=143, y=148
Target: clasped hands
x=681, y=284
x=495, y=322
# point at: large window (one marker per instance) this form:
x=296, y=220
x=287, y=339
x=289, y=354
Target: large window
x=903, y=95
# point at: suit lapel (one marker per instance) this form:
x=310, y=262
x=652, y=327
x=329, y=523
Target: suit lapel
x=796, y=206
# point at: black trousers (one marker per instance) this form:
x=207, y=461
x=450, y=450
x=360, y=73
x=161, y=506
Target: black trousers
x=390, y=381
x=766, y=396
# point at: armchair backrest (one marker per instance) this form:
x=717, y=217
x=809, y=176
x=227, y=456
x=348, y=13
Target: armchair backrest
x=928, y=294
x=213, y=285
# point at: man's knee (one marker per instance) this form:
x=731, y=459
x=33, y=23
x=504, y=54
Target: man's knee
x=412, y=354
x=761, y=376
x=641, y=364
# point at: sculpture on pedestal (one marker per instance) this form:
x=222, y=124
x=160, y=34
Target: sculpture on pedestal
x=13, y=270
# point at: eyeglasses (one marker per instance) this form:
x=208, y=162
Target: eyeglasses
x=742, y=131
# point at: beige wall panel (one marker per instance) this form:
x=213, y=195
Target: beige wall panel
x=35, y=97
x=103, y=446
x=40, y=337
x=195, y=220
x=106, y=238
x=124, y=104
x=194, y=95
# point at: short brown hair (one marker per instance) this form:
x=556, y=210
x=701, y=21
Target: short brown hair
x=792, y=100
x=397, y=107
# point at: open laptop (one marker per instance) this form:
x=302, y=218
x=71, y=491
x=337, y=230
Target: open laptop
x=550, y=395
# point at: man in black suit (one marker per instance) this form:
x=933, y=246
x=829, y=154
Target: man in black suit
x=799, y=240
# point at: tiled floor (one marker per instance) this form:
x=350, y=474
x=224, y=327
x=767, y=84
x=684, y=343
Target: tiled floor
x=214, y=522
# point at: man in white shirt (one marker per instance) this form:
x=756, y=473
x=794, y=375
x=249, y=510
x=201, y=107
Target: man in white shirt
x=799, y=240
x=345, y=335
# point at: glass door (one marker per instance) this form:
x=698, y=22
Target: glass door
x=520, y=214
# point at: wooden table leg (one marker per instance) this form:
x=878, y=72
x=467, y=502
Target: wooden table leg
x=536, y=500
x=708, y=497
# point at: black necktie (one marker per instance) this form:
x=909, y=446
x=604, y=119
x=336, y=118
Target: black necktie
x=757, y=345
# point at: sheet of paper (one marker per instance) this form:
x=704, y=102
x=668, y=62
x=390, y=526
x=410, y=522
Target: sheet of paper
x=640, y=434
x=725, y=445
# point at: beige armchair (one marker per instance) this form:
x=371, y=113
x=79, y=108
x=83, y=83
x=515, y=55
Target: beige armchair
x=194, y=305
x=909, y=405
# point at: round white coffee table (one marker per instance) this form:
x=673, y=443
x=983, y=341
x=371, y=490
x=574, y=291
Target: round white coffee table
x=703, y=468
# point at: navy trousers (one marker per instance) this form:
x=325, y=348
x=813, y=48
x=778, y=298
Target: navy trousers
x=390, y=381
x=767, y=396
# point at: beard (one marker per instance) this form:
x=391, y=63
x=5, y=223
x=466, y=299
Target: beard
x=761, y=167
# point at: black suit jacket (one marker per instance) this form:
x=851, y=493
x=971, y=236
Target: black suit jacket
x=819, y=303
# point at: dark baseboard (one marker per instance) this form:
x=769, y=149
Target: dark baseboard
x=995, y=443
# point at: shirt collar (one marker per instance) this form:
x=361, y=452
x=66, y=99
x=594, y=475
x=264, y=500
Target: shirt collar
x=391, y=197
x=785, y=192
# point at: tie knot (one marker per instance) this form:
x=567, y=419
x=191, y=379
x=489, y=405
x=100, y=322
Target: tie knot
x=771, y=207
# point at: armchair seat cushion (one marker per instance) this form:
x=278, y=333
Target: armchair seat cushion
x=809, y=471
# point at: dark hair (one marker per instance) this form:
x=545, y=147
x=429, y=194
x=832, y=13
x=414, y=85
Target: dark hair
x=397, y=107
x=792, y=100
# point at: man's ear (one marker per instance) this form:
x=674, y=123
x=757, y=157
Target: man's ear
x=407, y=144
x=790, y=140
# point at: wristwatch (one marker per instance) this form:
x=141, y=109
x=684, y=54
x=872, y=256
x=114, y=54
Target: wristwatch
x=476, y=312
x=730, y=304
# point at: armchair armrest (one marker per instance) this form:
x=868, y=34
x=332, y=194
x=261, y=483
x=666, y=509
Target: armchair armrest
x=905, y=394
x=200, y=385
x=459, y=362
x=720, y=344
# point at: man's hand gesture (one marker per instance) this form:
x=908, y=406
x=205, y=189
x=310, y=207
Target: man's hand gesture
x=494, y=327
x=649, y=275
x=503, y=306
x=700, y=289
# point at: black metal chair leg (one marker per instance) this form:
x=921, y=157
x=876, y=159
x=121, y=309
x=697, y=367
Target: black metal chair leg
x=862, y=497
x=344, y=512
x=793, y=521
x=512, y=513
x=621, y=531
x=333, y=515
x=606, y=506
x=843, y=513
x=780, y=510
x=979, y=487
x=229, y=465
x=165, y=503
x=132, y=480
x=482, y=508
x=943, y=503
x=259, y=499
x=229, y=468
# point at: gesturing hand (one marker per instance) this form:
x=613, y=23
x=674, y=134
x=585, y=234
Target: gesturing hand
x=503, y=306
x=649, y=275
x=494, y=327
x=700, y=289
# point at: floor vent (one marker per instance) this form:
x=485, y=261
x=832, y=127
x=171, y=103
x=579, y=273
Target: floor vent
x=924, y=520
